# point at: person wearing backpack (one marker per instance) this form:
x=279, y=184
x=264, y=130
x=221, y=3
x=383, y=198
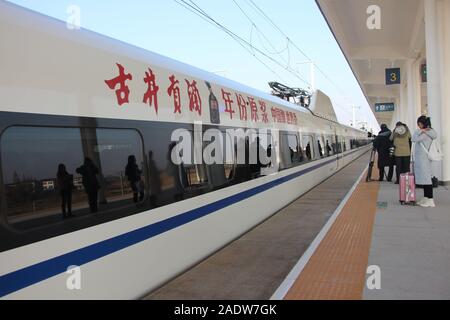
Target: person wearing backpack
x=423, y=139
x=400, y=138
x=382, y=144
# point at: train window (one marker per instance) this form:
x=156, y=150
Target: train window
x=320, y=146
x=291, y=151
x=265, y=142
x=330, y=146
x=187, y=176
x=294, y=148
x=308, y=147
x=336, y=144
x=193, y=175
x=121, y=164
x=52, y=173
x=341, y=144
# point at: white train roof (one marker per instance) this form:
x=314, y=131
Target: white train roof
x=39, y=36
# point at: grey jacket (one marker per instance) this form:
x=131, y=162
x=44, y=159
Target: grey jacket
x=422, y=165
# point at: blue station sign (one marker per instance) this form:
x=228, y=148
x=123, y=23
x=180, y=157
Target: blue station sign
x=393, y=76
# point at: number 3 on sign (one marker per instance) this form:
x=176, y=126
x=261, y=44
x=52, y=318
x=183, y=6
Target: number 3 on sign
x=393, y=77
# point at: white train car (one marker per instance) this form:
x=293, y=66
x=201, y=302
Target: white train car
x=67, y=95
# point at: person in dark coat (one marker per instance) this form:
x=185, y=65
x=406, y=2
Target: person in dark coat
x=88, y=172
x=328, y=149
x=308, y=151
x=320, y=148
x=382, y=144
x=65, y=185
x=134, y=177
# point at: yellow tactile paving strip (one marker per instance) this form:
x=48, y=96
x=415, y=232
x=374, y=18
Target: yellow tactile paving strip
x=337, y=269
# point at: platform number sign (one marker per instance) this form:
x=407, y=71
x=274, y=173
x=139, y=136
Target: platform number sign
x=393, y=76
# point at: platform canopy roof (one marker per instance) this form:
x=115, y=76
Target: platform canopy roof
x=371, y=51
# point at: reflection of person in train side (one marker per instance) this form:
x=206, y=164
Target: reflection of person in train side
x=308, y=151
x=88, y=172
x=320, y=149
x=133, y=173
x=65, y=184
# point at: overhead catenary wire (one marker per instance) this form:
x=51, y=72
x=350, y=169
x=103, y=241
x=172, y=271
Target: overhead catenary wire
x=265, y=16
x=188, y=7
x=240, y=39
x=193, y=7
x=254, y=25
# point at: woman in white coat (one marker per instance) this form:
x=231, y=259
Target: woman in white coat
x=422, y=139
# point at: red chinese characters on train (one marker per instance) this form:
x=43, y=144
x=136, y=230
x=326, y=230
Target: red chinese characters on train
x=123, y=92
x=152, y=89
x=263, y=108
x=282, y=116
x=291, y=118
x=174, y=90
x=288, y=117
x=226, y=96
x=242, y=107
x=278, y=115
x=253, y=109
x=195, y=101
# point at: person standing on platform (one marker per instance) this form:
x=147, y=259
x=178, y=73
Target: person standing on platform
x=382, y=144
x=422, y=139
x=401, y=138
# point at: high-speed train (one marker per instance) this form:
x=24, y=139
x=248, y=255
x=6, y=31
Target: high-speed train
x=92, y=202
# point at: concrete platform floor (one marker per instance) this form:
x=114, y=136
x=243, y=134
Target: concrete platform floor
x=253, y=266
x=411, y=245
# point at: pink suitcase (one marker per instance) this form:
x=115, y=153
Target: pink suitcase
x=407, y=188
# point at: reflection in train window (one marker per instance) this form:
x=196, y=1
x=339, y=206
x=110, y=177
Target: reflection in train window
x=291, y=151
x=55, y=173
x=264, y=146
x=320, y=146
x=308, y=146
x=295, y=149
x=193, y=175
x=330, y=145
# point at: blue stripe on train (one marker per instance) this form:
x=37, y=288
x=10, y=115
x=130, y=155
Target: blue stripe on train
x=38, y=272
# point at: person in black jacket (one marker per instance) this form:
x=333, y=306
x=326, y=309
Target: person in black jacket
x=308, y=151
x=88, y=172
x=382, y=144
x=134, y=177
x=65, y=185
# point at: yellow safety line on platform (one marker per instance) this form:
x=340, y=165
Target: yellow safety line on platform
x=337, y=269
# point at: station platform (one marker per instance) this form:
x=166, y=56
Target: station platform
x=320, y=246
x=411, y=245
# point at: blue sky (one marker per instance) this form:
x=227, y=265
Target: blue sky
x=165, y=27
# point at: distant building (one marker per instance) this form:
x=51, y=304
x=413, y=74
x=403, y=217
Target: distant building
x=48, y=185
x=77, y=183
